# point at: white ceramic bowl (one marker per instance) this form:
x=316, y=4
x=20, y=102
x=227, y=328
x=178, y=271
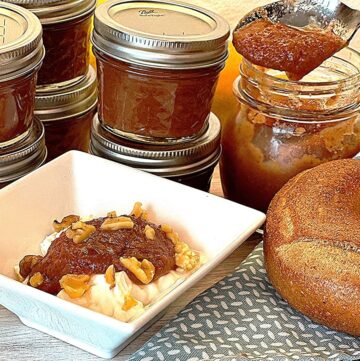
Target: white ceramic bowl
x=78, y=183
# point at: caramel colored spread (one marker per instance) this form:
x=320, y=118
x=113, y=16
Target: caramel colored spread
x=260, y=154
x=278, y=46
x=100, y=250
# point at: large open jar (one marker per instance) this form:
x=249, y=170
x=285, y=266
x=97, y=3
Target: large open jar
x=191, y=163
x=21, y=54
x=158, y=65
x=67, y=114
x=284, y=127
x=67, y=26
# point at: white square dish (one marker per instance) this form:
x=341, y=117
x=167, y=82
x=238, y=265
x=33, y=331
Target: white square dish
x=78, y=183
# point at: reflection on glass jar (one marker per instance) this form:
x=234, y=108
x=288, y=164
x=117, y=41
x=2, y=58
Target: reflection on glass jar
x=66, y=32
x=21, y=54
x=283, y=127
x=67, y=114
x=157, y=67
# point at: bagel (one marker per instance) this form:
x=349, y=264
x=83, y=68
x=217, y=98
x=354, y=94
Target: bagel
x=312, y=244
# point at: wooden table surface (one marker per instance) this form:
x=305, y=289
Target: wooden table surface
x=20, y=343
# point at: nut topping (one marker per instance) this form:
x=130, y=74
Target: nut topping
x=65, y=223
x=110, y=276
x=36, y=279
x=75, y=285
x=112, y=214
x=27, y=264
x=80, y=231
x=114, y=224
x=166, y=228
x=185, y=258
x=129, y=303
x=144, y=271
x=137, y=210
x=149, y=232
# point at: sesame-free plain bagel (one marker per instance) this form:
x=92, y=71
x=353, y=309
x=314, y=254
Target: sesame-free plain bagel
x=312, y=244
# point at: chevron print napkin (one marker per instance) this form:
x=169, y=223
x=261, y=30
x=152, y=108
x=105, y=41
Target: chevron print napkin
x=243, y=318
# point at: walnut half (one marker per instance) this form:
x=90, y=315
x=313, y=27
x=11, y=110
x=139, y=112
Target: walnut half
x=144, y=271
x=80, y=231
x=114, y=224
x=65, y=223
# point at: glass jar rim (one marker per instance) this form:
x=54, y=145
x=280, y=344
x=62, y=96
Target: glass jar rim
x=303, y=101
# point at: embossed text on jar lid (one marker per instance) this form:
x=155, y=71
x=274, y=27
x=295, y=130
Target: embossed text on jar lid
x=21, y=48
x=159, y=33
x=21, y=158
x=54, y=11
x=169, y=160
x=57, y=103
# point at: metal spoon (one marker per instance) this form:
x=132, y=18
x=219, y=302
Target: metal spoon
x=343, y=20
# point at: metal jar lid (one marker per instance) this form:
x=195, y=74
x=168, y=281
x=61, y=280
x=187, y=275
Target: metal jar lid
x=56, y=11
x=165, y=161
x=21, y=47
x=58, y=103
x=160, y=33
x=24, y=157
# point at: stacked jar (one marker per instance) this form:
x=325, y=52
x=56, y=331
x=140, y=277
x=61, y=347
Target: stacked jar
x=66, y=85
x=22, y=147
x=158, y=63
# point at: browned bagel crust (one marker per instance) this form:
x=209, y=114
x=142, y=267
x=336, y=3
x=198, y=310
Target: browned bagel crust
x=312, y=244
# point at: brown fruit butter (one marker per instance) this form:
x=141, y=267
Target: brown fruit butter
x=158, y=66
x=21, y=54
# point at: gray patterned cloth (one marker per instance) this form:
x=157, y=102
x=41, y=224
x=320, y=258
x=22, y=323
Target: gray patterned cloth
x=243, y=318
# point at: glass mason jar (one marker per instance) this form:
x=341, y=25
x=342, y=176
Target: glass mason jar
x=158, y=66
x=284, y=127
x=67, y=114
x=190, y=163
x=66, y=26
x=19, y=159
x=21, y=55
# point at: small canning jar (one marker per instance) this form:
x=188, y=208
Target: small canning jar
x=158, y=64
x=284, y=127
x=19, y=159
x=191, y=163
x=67, y=114
x=67, y=27
x=21, y=54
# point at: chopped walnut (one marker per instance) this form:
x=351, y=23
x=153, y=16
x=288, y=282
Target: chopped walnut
x=166, y=228
x=75, y=285
x=149, y=232
x=138, y=211
x=36, y=279
x=144, y=271
x=185, y=258
x=114, y=224
x=129, y=303
x=112, y=214
x=110, y=276
x=27, y=264
x=80, y=231
x=65, y=223
x=18, y=276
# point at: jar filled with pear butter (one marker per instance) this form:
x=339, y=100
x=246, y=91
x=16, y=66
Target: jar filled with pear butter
x=158, y=65
x=284, y=127
x=21, y=55
x=67, y=26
